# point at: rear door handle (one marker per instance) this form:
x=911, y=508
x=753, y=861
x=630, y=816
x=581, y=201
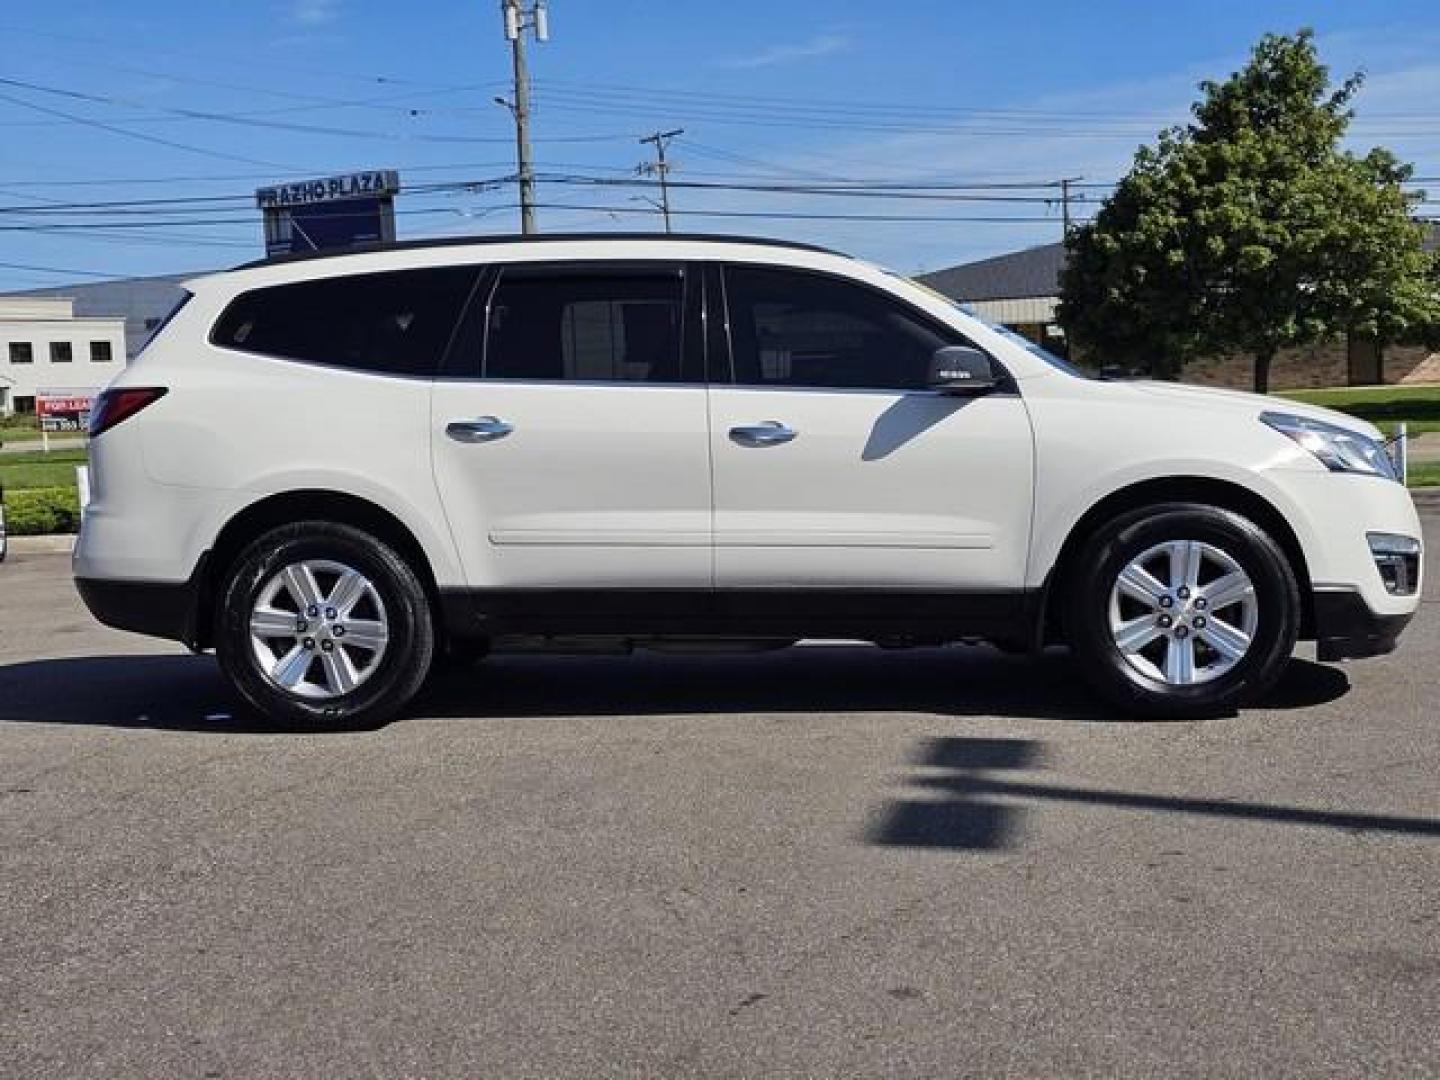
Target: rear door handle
x=770, y=433
x=481, y=429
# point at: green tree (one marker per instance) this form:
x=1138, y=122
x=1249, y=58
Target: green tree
x=1250, y=229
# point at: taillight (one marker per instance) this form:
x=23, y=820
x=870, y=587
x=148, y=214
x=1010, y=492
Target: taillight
x=113, y=406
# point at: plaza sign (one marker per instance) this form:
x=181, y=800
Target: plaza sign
x=333, y=213
x=376, y=184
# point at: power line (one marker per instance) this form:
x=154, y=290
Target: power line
x=140, y=180
x=139, y=135
x=150, y=222
x=939, y=193
x=153, y=237
x=388, y=103
x=1047, y=193
x=55, y=270
x=649, y=95
x=800, y=216
x=249, y=63
x=244, y=120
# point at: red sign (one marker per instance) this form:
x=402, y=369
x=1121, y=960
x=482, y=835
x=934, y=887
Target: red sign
x=64, y=410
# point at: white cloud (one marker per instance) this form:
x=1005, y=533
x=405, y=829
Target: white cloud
x=821, y=45
x=314, y=12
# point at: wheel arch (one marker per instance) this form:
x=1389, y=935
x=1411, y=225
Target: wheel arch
x=1204, y=490
x=310, y=504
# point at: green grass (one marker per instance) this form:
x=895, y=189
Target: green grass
x=1424, y=474
x=28, y=471
x=15, y=430
x=1384, y=406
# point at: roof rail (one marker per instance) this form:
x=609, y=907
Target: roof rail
x=518, y=238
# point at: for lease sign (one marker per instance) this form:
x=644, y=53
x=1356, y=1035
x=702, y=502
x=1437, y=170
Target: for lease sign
x=64, y=410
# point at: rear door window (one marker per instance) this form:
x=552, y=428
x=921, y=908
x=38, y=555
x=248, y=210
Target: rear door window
x=600, y=324
x=397, y=322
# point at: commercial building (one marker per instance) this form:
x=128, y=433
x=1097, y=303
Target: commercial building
x=141, y=302
x=45, y=345
x=1021, y=290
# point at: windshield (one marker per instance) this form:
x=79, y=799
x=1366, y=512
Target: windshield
x=1004, y=331
x=1024, y=342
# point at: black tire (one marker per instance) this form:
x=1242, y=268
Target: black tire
x=399, y=671
x=1115, y=545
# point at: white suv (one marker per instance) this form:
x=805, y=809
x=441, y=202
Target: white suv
x=335, y=470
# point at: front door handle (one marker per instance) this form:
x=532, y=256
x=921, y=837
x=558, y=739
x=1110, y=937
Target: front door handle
x=481, y=429
x=770, y=433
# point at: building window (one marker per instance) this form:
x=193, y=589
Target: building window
x=61, y=352
x=100, y=352
x=22, y=352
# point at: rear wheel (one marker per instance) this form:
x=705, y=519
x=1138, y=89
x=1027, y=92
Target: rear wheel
x=321, y=624
x=1182, y=610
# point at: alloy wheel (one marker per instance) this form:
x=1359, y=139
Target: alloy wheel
x=318, y=629
x=1183, y=612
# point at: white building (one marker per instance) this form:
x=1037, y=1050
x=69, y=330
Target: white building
x=44, y=345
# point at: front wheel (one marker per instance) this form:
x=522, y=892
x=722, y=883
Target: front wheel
x=1183, y=610
x=323, y=625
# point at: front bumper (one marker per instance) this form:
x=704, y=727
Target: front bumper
x=1346, y=628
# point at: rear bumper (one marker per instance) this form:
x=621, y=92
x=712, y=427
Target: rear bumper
x=163, y=609
x=1346, y=628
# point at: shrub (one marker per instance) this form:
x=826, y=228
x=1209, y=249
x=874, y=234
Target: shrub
x=41, y=511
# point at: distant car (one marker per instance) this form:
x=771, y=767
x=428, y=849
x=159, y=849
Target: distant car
x=334, y=470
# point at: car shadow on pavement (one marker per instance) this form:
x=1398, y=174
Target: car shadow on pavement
x=187, y=693
x=960, y=778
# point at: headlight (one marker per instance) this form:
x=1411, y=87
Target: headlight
x=1339, y=449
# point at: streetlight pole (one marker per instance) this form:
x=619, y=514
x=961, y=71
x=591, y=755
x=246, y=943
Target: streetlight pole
x=518, y=19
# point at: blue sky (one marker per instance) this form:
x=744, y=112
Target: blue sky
x=801, y=92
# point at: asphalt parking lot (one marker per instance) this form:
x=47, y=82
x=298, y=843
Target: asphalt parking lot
x=826, y=862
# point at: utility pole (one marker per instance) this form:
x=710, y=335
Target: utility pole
x=660, y=167
x=518, y=19
x=1065, y=202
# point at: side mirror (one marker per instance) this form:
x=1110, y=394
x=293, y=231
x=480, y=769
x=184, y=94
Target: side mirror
x=959, y=369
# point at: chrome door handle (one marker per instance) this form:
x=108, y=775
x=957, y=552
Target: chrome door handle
x=481, y=429
x=770, y=433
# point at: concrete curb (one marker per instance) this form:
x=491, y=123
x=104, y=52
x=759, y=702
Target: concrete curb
x=42, y=545
x=1426, y=498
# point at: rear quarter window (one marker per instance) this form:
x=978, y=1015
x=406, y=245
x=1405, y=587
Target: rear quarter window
x=396, y=322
